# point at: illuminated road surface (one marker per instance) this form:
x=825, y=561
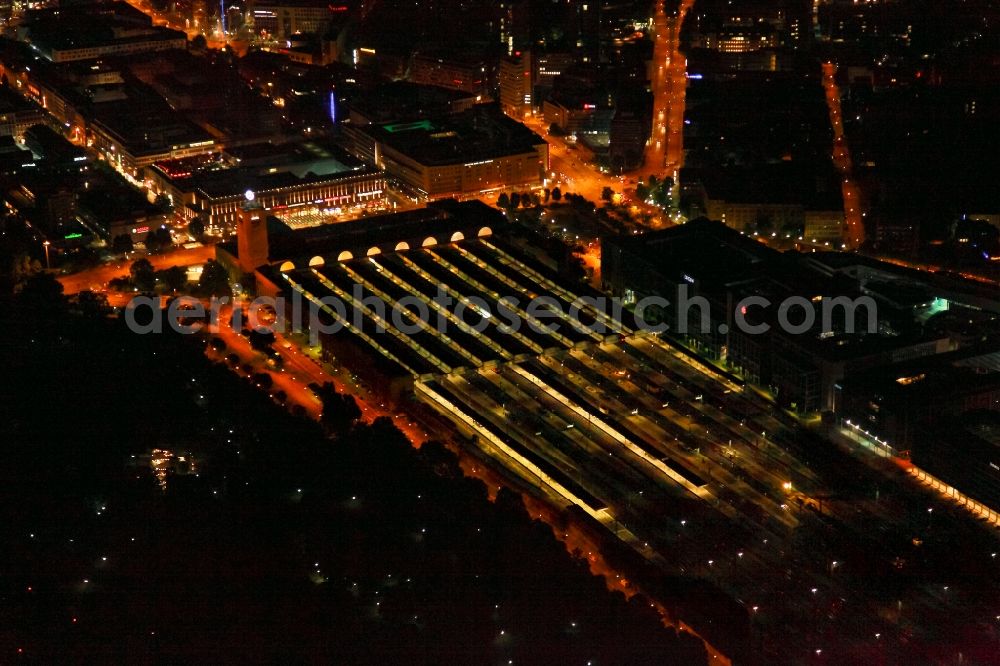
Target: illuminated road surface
x=299, y=369
x=842, y=161
x=665, y=153
x=97, y=278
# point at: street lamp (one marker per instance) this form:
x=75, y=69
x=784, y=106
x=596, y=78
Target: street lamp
x=46, y=245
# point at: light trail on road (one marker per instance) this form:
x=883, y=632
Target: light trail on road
x=842, y=161
x=665, y=153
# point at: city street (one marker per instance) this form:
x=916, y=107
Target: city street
x=665, y=155
x=842, y=160
x=97, y=278
x=299, y=368
x=572, y=173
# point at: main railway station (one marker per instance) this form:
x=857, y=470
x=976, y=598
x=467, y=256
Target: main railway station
x=543, y=376
x=449, y=314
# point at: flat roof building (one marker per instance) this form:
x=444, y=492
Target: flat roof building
x=713, y=268
x=283, y=176
x=17, y=114
x=94, y=31
x=461, y=155
x=448, y=69
x=784, y=198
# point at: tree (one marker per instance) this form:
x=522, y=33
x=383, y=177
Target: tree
x=641, y=191
x=503, y=201
x=556, y=194
x=763, y=224
x=794, y=229
x=607, y=193
x=164, y=236
x=340, y=410
x=83, y=258
x=660, y=190
x=196, y=228
x=547, y=194
x=263, y=380
x=214, y=279
x=227, y=55
x=120, y=284
x=199, y=44
x=122, y=243
x=515, y=200
x=175, y=278
x=163, y=203
x=152, y=242
x=92, y=304
x=41, y=291
x=158, y=238
x=143, y=275
x=233, y=360
x=260, y=339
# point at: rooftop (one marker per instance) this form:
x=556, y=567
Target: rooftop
x=388, y=102
x=146, y=124
x=710, y=251
x=480, y=133
x=815, y=188
x=92, y=26
x=911, y=384
x=442, y=217
x=262, y=167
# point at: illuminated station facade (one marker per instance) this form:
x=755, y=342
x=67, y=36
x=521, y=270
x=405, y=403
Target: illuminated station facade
x=284, y=178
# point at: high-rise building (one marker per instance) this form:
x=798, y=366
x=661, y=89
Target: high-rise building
x=451, y=69
x=284, y=18
x=514, y=25
x=627, y=140
x=516, y=83
x=584, y=28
